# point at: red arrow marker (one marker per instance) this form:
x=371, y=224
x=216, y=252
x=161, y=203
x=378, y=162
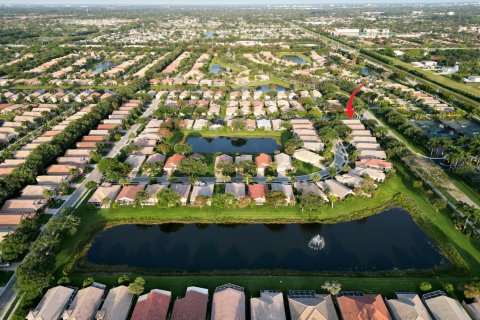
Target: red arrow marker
x=350, y=110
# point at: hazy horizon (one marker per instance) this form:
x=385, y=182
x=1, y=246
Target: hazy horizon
x=222, y=2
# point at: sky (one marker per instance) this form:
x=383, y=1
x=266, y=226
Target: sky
x=217, y=2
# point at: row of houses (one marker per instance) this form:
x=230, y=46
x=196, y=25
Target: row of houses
x=304, y=130
x=9, y=130
x=44, y=96
x=72, y=163
x=363, y=141
x=32, y=197
x=229, y=303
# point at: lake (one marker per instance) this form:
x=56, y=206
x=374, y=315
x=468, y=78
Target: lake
x=232, y=145
x=216, y=68
x=265, y=87
x=295, y=59
x=390, y=240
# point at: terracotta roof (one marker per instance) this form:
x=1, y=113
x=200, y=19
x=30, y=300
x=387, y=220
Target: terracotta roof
x=263, y=160
x=193, y=306
x=173, y=161
x=93, y=138
x=367, y=306
x=86, y=145
x=9, y=220
x=152, y=306
x=256, y=191
x=374, y=163
x=107, y=126
x=129, y=192
x=60, y=169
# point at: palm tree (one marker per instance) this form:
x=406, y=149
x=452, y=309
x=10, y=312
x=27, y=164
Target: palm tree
x=141, y=197
x=247, y=178
x=332, y=198
x=316, y=177
x=48, y=194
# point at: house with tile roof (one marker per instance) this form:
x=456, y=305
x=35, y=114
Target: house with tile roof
x=191, y=307
x=128, y=194
x=152, y=306
x=473, y=308
x=257, y=193
x=85, y=304
x=309, y=305
x=362, y=306
x=172, y=163
x=109, y=192
x=443, y=307
x=183, y=190
x=52, y=304
x=286, y=189
x=263, y=161
x=407, y=306
x=205, y=191
x=236, y=189
x=228, y=303
x=117, y=304
x=268, y=307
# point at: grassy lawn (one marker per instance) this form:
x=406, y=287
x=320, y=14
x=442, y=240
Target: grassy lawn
x=253, y=284
x=304, y=168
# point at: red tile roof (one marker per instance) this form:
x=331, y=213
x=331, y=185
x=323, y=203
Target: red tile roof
x=368, y=306
x=152, y=306
x=173, y=161
x=256, y=191
x=263, y=160
x=374, y=163
x=192, y=307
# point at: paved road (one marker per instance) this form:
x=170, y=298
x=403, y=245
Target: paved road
x=8, y=294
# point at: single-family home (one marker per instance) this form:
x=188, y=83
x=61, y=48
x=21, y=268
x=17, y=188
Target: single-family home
x=264, y=124
x=201, y=124
x=336, y=188
x=308, y=156
x=284, y=163
x=153, y=190
x=104, y=195
x=128, y=194
x=257, y=193
x=351, y=180
x=443, y=307
x=52, y=304
x=305, y=187
x=310, y=305
x=193, y=306
x=407, y=306
x=86, y=303
x=268, y=307
x=205, y=191
x=52, y=180
x=172, y=163
x=152, y=306
x=473, y=308
x=183, y=190
x=22, y=205
x=374, y=164
x=362, y=306
x=243, y=157
x=36, y=191
x=263, y=161
x=285, y=189
x=375, y=154
x=117, y=304
x=236, y=189
x=228, y=303
x=156, y=158
x=375, y=174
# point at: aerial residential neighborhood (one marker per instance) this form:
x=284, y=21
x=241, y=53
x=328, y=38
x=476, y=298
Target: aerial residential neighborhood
x=265, y=160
